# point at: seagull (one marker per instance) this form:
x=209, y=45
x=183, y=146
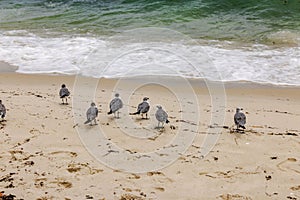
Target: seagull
x=115, y=105
x=143, y=108
x=91, y=114
x=2, y=111
x=161, y=116
x=64, y=93
x=240, y=119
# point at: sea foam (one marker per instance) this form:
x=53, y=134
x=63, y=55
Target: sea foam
x=99, y=57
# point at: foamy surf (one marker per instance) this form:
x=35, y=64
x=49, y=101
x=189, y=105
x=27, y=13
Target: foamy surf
x=72, y=55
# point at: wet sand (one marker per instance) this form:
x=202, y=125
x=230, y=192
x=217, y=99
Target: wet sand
x=5, y=67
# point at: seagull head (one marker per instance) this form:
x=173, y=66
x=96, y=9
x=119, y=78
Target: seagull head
x=158, y=107
x=93, y=104
x=145, y=98
x=117, y=95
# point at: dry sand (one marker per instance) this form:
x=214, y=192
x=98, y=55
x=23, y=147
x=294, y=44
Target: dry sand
x=42, y=156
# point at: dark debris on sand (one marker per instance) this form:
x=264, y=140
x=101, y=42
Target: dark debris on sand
x=8, y=196
x=130, y=197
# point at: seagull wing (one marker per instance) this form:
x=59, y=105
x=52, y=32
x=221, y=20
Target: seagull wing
x=96, y=111
x=161, y=115
x=243, y=119
x=115, y=104
x=2, y=109
x=240, y=119
x=88, y=113
x=143, y=107
x=92, y=113
x=64, y=92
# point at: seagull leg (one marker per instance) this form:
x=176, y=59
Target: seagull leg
x=118, y=115
x=146, y=115
x=238, y=130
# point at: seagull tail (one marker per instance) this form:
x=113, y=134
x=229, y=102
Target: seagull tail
x=134, y=113
x=167, y=121
x=87, y=121
x=110, y=112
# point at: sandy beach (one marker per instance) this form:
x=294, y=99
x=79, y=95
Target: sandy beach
x=42, y=156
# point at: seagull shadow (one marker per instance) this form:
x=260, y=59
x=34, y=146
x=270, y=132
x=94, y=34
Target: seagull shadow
x=141, y=119
x=64, y=104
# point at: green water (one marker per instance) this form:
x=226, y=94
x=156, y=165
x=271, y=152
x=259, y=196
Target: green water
x=237, y=20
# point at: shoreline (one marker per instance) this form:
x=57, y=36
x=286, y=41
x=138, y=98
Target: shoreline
x=192, y=81
x=8, y=68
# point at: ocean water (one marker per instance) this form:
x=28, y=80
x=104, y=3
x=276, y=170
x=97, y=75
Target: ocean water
x=227, y=40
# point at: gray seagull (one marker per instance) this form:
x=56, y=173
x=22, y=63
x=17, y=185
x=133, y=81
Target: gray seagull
x=240, y=119
x=115, y=105
x=161, y=116
x=2, y=110
x=91, y=114
x=143, y=108
x=64, y=93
